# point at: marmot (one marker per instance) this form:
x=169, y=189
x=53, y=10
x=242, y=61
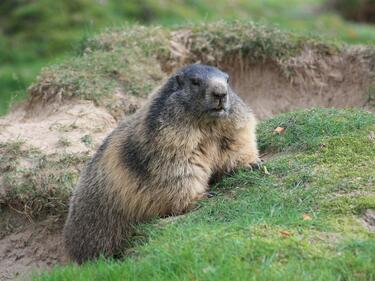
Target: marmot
x=159, y=161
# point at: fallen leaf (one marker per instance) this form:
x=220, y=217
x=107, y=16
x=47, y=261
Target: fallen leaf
x=352, y=34
x=306, y=217
x=279, y=130
x=285, y=233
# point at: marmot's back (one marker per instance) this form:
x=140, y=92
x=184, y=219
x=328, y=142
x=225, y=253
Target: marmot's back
x=160, y=160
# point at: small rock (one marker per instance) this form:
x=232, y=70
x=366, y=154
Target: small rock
x=369, y=219
x=306, y=217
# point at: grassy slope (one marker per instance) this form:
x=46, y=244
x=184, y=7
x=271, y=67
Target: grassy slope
x=300, y=221
x=50, y=35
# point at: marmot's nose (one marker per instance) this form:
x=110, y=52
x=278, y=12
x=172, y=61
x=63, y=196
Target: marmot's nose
x=220, y=97
x=219, y=94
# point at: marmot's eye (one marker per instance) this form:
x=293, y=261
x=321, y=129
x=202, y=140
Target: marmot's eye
x=195, y=81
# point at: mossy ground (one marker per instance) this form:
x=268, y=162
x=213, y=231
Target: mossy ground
x=133, y=60
x=103, y=68
x=298, y=219
x=36, y=184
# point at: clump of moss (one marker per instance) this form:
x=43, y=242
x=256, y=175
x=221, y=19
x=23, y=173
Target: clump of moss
x=107, y=69
x=215, y=41
x=34, y=183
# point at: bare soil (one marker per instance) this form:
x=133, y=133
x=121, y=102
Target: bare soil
x=59, y=127
x=31, y=248
x=369, y=219
x=27, y=246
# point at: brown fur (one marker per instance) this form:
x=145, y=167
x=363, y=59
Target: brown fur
x=179, y=158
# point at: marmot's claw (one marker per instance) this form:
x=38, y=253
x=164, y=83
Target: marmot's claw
x=256, y=165
x=211, y=194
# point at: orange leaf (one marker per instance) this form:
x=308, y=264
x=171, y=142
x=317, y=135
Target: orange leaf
x=352, y=34
x=285, y=233
x=279, y=130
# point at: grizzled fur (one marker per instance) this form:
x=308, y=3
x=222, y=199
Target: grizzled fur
x=159, y=161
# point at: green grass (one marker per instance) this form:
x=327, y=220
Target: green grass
x=307, y=129
x=299, y=221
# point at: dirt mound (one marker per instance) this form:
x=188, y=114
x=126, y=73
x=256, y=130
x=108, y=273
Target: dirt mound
x=316, y=75
x=32, y=248
x=340, y=81
x=72, y=107
x=61, y=129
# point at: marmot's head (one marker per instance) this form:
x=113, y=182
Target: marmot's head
x=204, y=90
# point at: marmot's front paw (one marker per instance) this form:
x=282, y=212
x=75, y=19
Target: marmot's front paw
x=256, y=165
x=210, y=194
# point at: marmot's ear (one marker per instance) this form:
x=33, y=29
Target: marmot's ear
x=227, y=77
x=179, y=80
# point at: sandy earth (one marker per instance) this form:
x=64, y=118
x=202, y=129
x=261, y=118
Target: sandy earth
x=323, y=82
x=32, y=248
x=369, y=219
x=51, y=128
